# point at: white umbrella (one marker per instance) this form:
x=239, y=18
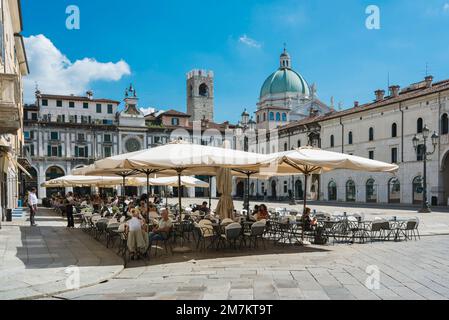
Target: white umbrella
x=83, y=181
x=178, y=158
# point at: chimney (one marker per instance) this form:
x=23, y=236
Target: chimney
x=379, y=95
x=356, y=104
x=428, y=80
x=394, y=91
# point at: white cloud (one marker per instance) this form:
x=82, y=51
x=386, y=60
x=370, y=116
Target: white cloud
x=55, y=73
x=147, y=111
x=446, y=7
x=249, y=42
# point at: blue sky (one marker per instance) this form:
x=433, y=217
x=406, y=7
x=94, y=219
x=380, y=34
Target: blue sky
x=241, y=41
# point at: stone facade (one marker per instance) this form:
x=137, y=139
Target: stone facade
x=13, y=66
x=200, y=95
x=382, y=130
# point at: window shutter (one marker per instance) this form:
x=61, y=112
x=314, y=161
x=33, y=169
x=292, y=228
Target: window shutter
x=76, y=152
x=86, y=151
x=49, y=150
x=59, y=151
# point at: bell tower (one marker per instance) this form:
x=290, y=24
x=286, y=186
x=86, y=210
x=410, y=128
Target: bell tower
x=200, y=95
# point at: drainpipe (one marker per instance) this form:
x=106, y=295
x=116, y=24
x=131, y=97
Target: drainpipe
x=342, y=136
x=402, y=131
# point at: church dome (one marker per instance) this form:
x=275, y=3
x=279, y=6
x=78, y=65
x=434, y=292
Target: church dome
x=285, y=80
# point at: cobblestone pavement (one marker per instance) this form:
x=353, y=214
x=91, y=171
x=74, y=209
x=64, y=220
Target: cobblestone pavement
x=408, y=270
x=34, y=261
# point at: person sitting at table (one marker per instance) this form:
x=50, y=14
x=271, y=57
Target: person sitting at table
x=263, y=213
x=162, y=230
x=307, y=220
x=204, y=208
x=137, y=237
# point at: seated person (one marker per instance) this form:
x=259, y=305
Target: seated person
x=204, y=208
x=162, y=230
x=137, y=237
x=308, y=221
x=263, y=213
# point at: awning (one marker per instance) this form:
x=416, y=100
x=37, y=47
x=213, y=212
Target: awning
x=21, y=168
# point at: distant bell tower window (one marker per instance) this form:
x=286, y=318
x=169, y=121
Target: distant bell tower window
x=204, y=90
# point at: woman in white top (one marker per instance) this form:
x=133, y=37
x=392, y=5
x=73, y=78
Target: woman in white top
x=137, y=236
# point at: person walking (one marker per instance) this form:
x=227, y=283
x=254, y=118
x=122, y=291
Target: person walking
x=70, y=201
x=32, y=204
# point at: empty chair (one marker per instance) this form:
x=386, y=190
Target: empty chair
x=257, y=231
x=231, y=234
x=376, y=230
x=410, y=229
x=204, y=231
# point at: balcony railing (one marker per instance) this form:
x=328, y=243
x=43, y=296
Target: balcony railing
x=10, y=103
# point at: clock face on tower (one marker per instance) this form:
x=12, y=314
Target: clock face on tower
x=132, y=145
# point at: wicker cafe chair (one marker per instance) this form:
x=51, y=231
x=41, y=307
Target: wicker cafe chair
x=232, y=233
x=257, y=232
x=204, y=232
x=111, y=235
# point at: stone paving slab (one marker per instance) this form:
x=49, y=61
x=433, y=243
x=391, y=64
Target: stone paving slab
x=338, y=273
x=34, y=261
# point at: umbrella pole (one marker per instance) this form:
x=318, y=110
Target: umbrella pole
x=148, y=192
x=247, y=195
x=306, y=176
x=124, y=193
x=166, y=197
x=179, y=194
x=210, y=192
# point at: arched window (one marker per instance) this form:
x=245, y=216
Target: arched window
x=350, y=138
x=394, y=191
x=299, y=193
x=258, y=118
x=350, y=191
x=419, y=125
x=444, y=124
x=271, y=116
x=278, y=116
x=204, y=90
x=394, y=130
x=371, y=134
x=191, y=91
x=332, y=191
x=284, y=117
x=332, y=141
x=418, y=190
x=54, y=173
x=371, y=191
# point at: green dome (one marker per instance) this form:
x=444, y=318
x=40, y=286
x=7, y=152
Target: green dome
x=284, y=80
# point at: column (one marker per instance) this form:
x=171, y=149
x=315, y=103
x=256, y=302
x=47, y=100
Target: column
x=213, y=187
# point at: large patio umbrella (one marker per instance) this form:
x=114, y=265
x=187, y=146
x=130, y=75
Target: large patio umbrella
x=181, y=159
x=84, y=181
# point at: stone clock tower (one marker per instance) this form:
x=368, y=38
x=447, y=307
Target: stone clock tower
x=200, y=95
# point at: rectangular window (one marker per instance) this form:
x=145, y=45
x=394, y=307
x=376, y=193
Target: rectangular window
x=107, y=138
x=394, y=155
x=34, y=116
x=84, y=119
x=99, y=108
x=54, y=135
x=86, y=105
x=107, y=152
x=54, y=151
x=81, y=137
x=371, y=155
x=45, y=102
x=110, y=109
x=71, y=104
x=27, y=135
x=175, y=122
x=59, y=103
x=32, y=150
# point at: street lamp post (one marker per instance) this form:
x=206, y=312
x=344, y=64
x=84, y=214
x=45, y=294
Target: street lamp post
x=416, y=143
